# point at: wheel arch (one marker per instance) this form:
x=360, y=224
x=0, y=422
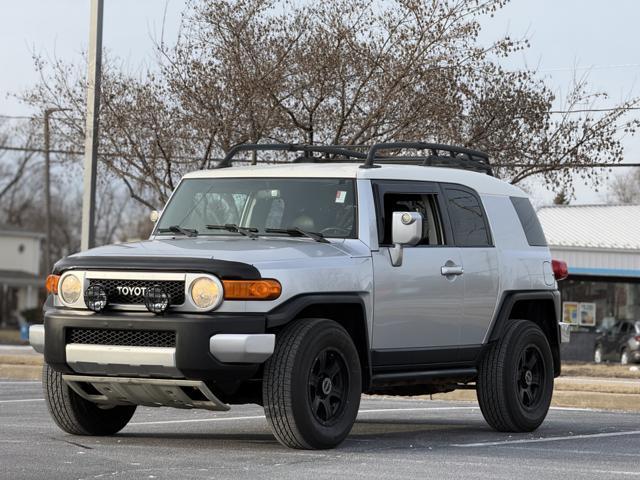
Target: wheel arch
x=541, y=307
x=346, y=309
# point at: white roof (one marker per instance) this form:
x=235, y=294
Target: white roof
x=592, y=226
x=480, y=182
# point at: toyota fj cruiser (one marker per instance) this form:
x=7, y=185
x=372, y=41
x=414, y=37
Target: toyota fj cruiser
x=300, y=286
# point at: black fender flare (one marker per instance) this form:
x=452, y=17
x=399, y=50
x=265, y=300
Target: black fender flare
x=289, y=310
x=509, y=300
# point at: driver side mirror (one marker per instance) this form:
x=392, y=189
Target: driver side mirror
x=406, y=230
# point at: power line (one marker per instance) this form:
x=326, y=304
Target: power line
x=495, y=165
x=589, y=67
x=592, y=110
x=102, y=154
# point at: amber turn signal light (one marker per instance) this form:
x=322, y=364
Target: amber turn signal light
x=266, y=289
x=52, y=284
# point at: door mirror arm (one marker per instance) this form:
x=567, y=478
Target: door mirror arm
x=406, y=230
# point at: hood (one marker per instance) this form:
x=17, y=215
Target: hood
x=260, y=250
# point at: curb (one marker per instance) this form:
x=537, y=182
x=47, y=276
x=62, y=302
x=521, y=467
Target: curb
x=20, y=372
x=574, y=392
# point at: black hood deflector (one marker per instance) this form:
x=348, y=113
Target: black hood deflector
x=221, y=268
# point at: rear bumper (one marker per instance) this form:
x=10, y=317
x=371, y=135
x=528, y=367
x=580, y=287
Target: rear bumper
x=244, y=343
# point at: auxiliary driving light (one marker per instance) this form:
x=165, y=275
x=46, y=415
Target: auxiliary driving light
x=156, y=299
x=95, y=298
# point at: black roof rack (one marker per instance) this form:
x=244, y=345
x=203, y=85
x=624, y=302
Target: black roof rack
x=458, y=157
x=288, y=147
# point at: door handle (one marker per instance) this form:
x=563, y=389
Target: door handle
x=447, y=270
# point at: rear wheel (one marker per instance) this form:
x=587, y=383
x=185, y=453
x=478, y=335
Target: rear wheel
x=515, y=379
x=312, y=385
x=78, y=416
x=598, y=354
x=624, y=357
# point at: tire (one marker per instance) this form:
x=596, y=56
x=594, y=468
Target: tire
x=624, y=357
x=598, y=354
x=303, y=408
x=78, y=416
x=515, y=379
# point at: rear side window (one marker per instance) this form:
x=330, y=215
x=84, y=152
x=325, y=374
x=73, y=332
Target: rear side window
x=529, y=221
x=467, y=219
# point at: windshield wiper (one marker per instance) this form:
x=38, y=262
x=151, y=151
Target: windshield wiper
x=232, y=227
x=298, y=232
x=189, y=232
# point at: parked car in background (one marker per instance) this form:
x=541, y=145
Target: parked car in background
x=619, y=343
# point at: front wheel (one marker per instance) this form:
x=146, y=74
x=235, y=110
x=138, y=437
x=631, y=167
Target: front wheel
x=312, y=385
x=515, y=379
x=78, y=416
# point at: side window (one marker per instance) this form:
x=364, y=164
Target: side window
x=414, y=202
x=529, y=221
x=467, y=219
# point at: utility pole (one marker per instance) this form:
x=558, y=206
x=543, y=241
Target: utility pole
x=91, y=130
x=47, y=188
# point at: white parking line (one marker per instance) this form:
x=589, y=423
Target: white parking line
x=416, y=409
x=254, y=417
x=547, y=439
x=23, y=400
x=197, y=420
x=20, y=382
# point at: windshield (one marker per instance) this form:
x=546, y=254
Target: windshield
x=323, y=205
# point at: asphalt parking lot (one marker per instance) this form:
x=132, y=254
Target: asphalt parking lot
x=393, y=438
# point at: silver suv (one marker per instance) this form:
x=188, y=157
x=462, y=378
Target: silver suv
x=300, y=286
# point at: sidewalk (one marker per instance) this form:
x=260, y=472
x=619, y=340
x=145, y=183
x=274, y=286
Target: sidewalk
x=578, y=390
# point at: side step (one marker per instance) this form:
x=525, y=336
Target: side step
x=150, y=392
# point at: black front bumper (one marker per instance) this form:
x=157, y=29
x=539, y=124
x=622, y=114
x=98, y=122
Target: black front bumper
x=193, y=331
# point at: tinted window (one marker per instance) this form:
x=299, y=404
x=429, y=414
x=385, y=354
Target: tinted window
x=529, y=221
x=467, y=219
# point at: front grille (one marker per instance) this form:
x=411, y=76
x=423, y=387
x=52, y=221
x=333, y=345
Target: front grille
x=134, y=290
x=129, y=338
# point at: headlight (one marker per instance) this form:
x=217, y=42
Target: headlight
x=70, y=289
x=205, y=293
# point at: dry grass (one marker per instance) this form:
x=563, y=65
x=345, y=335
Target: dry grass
x=604, y=370
x=10, y=337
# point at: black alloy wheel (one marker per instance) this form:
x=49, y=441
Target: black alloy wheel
x=328, y=386
x=530, y=377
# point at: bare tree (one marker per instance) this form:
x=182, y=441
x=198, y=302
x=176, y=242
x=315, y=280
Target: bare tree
x=625, y=188
x=13, y=164
x=338, y=71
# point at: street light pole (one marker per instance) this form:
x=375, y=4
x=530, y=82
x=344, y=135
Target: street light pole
x=47, y=187
x=91, y=130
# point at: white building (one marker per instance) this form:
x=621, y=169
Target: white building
x=20, y=278
x=601, y=245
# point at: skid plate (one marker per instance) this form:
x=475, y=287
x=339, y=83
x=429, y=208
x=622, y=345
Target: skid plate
x=150, y=392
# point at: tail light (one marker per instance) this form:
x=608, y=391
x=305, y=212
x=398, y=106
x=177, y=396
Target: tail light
x=560, y=269
x=637, y=338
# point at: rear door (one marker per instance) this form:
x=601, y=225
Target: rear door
x=417, y=308
x=472, y=236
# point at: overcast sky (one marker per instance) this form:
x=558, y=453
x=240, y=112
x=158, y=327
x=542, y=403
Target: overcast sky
x=568, y=36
